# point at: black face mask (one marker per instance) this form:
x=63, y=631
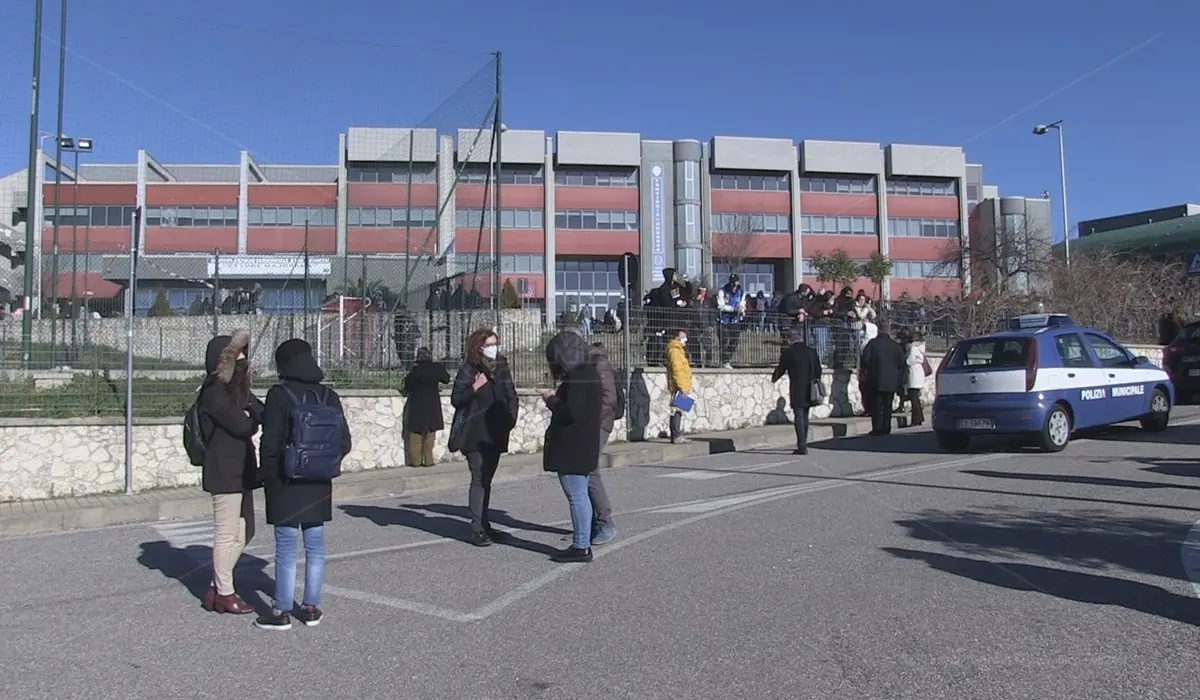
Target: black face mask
x=242, y=365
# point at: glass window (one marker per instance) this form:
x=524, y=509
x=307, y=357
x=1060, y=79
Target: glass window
x=283, y=216
x=1109, y=353
x=1071, y=352
x=1007, y=353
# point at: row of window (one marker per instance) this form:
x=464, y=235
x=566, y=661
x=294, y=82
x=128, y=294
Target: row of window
x=94, y=216
x=924, y=269
x=509, y=218
x=392, y=217
x=624, y=177
x=482, y=174
x=291, y=216
x=598, y=220
x=422, y=173
x=838, y=225
x=724, y=222
x=923, y=188
x=923, y=228
x=193, y=216
x=750, y=182
x=838, y=185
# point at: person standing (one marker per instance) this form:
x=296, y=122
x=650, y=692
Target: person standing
x=803, y=368
x=884, y=367
x=603, y=528
x=679, y=380
x=230, y=416
x=572, y=449
x=299, y=507
x=731, y=310
x=485, y=412
x=423, y=407
x=915, y=359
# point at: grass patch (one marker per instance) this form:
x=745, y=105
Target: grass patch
x=98, y=357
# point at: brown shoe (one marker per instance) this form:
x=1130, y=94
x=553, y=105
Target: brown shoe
x=232, y=604
x=209, y=601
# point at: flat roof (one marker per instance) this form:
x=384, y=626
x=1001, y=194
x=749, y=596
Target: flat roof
x=1159, y=238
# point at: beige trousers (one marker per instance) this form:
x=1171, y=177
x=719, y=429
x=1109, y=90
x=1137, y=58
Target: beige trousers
x=229, y=539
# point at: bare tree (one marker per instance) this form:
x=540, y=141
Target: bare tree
x=734, y=243
x=1008, y=256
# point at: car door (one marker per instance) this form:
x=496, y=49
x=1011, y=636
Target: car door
x=1127, y=395
x=1083, y=383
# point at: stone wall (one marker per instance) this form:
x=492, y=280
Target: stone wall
x=48, y=458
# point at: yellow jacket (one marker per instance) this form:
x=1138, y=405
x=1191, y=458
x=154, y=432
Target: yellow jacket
x=679, y=372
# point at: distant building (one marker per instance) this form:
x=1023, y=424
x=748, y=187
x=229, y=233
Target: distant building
x=1137, y=218
x=1012, y=244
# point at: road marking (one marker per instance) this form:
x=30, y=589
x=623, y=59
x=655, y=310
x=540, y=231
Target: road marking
x=720, y=473
x=530, y=587
x=196, y=537
x=401, y=604
x=1189, y=554
x=718, y=503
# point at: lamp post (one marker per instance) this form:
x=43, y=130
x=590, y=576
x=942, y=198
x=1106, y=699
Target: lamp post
x=1042, y=130
x=77, y=147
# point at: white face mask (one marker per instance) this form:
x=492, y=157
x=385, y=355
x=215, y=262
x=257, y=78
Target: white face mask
x=491, y=352
x=683, y=341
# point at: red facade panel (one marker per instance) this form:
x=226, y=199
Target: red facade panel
x=923, y=207
x=291, y=239
x=752, y=202
x=511, y=197
x=835, y=204
x=861, y=283
x=292, y=195
x=925, y=288
x=613, y=198
x=611, y=244
x=91, y=194
x=921, y=248
x=193, y=239
x=512, y=242
x=734, y=246
x=95, y=239
x=382, y=239
x=389, y=194
x=857, y=247
x=190, y=195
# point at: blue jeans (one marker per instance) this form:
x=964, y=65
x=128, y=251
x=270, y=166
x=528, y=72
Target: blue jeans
x=576, y=488
x=285, y=565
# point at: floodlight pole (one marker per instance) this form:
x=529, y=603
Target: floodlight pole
x=497, y=127
x=32, y=196
x=58, y=150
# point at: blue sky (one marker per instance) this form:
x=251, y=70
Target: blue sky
x=196, y=80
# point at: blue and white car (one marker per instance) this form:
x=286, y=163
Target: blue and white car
x=1045, y=378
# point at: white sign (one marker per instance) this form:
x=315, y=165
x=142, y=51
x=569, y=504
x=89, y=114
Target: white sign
x=658, y=234
x=251, y=266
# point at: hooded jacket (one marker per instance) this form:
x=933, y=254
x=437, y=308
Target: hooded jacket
x=572, y=444
x=295, y=503
x=229, y=417
x=598, y=355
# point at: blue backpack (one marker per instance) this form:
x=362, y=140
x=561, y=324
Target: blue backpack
x=313, y=451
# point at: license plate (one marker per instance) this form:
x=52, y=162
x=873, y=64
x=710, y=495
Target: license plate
x=976, y=424
x=1194, y=372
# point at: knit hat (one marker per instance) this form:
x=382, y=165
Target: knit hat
x=289, y=349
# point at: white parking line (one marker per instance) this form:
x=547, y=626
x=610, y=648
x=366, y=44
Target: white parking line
x=1189, y=554
x=706, y=474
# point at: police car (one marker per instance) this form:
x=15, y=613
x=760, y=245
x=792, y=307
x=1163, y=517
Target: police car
x=1045, y=377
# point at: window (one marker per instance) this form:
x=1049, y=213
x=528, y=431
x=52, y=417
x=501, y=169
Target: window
x=924, y=269
x=509, y=218
x=1109, y=353
x=923, y=228
x=392, y=217
x=755, y=277
x=972, y=192
x=1071, y=352
x=191, y=216
x=807, y=269
x=1007, y=353
x=754, y=182
x=838, y=185
x=601, y=220
x=290, y=216
x=592, y=285
x=608, y=177
x=838, y=225
x=726, y=222
x=114, y=215
x=524, y=263
x=923, y=188
x=477, y=174
x=422, y=173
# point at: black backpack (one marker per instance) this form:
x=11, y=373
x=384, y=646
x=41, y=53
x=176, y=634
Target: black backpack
x=314, y=447
x=619, y=409
x=194, y=442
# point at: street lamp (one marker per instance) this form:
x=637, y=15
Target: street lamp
x=75, y=147
x=1042, y=130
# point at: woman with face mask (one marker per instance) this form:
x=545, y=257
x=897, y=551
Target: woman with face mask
x=485, y=412
x=230, y=416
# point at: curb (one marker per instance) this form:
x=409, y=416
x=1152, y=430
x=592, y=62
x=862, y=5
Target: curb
x=187, y=504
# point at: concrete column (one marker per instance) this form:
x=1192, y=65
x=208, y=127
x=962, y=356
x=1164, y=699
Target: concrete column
x=244, y=202
x=708, y=271
x=143, y=165
x=34, y=258
x=445, y=179
x=797, y=237
x=688, y=198
x=964, y=235
x=343, y=190
x=549, y=255
x=881, y=224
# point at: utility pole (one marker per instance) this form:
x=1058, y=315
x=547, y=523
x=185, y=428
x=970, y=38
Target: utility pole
x=32, y=196
x=497, y=129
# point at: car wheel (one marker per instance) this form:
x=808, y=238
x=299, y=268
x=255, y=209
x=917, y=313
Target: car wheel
x=1056, y=432
x=1160, y=412
x=953, y=442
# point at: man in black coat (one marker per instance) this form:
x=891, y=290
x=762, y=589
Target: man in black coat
x=803, y=367
x=884, y=367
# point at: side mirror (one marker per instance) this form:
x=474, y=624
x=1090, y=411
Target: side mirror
x=1141, y=360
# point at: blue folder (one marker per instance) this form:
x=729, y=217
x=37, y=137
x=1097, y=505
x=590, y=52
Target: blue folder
x=682, y=401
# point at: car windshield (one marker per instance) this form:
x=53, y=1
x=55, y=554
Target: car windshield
x=990, y=353
x=1189, y=332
